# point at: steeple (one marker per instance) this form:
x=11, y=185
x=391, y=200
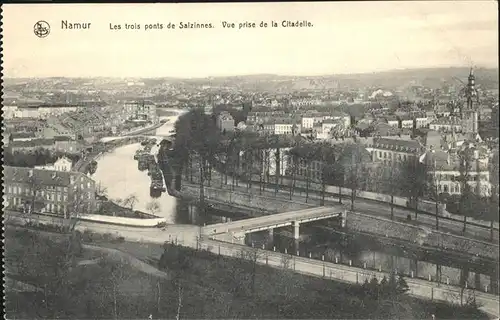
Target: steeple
x=471, y=92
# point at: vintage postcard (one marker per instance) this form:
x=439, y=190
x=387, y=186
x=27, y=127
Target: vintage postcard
x=315, y=160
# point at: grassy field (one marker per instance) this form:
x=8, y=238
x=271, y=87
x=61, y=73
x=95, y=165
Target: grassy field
x=204, y=286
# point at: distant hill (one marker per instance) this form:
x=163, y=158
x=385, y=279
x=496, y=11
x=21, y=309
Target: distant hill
x=428, y=77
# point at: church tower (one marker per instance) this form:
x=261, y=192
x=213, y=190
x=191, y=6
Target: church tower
x=470, y=114
x=471, y=92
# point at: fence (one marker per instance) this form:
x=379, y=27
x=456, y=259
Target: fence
x=335, y=271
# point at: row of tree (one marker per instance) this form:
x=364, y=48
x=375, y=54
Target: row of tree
x=246, y=157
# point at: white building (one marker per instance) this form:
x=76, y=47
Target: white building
x=286, y=127
x=422, y=121
x=27, y=112
x=393, y=122
x=308, y=122
x=9, y=112
x=61, y=164
x=445, y=169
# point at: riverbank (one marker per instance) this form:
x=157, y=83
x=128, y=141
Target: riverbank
x=213, y=286
x=109, y=208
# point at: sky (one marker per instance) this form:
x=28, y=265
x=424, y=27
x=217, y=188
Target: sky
x=346, y=37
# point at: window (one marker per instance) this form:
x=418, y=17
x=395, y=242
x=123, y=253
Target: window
x=445, y=188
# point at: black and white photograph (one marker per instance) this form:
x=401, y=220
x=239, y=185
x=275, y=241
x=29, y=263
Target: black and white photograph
x=266, y=160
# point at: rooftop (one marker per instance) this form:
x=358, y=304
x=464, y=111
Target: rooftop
x=38, y=176
x=402, y=144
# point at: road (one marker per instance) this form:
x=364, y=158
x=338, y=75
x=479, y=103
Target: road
x=183, y=234
x=418, y=287
x=365, y=206
x=187, y=235
x=121, y=256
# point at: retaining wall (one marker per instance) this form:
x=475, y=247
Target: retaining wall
x=420, y=235
x=256, y=201
x=57, y=220
x=423, y=205
x=124, y=221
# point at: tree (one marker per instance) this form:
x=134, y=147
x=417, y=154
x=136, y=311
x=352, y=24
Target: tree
x=117, y=273
x=388, y=178
x=101, y=190
x=373, y=288
x=353, y=159
x=35, y=201
x=413, y=180
x=253, y=256
x=402, y=286
x=432, y=187
x=179, y=302
x=153, y=207
x=384, y=287
x=294, y=159
x=465, y=159
x=130, y=201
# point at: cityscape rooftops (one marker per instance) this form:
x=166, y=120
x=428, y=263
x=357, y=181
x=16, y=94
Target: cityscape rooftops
x=447, y=121
x=32, y=143
x=37, y=176
x=395, y=144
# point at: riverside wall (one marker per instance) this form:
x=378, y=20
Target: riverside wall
x=359, y=222
x=242, y=200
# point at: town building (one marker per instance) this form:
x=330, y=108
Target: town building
x=286, y=126
x=27, y=112
x=47, y=191
x=47, y=111
x=9, y=112
x=58, y=143
x=392, y=121
x=422, y=121
x=448, y=124
x=225, y=122
x=406, y=122
x=141, y=111
x=61, y=164
x=394, y=149
x=308, y=122
x=304, y=102
x=447, y=171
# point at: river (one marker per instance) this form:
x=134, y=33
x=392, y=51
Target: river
x=117, y=172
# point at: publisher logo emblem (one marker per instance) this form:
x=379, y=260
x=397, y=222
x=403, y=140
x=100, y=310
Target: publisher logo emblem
x=41, y=29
